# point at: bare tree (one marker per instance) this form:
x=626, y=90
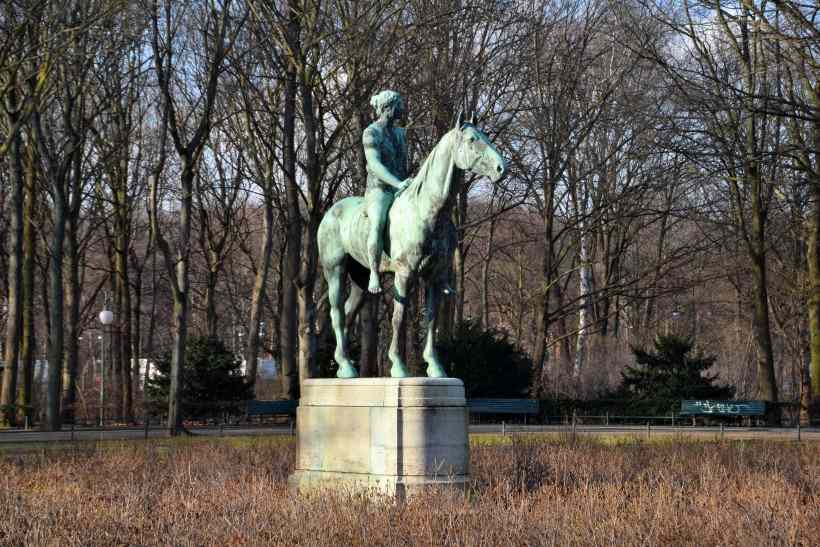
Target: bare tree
x=189, y=129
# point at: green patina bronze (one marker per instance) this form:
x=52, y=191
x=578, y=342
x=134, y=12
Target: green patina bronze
x=400, y=226
x=385, y=149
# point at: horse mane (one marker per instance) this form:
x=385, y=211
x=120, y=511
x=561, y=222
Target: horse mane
x=422, y=176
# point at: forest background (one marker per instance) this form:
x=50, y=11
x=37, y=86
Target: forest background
x=171, y=161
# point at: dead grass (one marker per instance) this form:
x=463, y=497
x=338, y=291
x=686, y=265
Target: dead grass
x=528, y=492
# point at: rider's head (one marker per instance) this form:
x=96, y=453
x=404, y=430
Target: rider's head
x=387, y=101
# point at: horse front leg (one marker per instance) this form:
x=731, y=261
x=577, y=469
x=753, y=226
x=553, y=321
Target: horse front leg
x=434, y=366
x=400, y=286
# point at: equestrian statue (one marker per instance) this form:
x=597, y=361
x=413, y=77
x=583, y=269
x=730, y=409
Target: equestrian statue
x=401, y=225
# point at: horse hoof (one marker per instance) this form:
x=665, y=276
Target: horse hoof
x=398, y=372
x=435, y=371
x=346, y=371
x=374, y=286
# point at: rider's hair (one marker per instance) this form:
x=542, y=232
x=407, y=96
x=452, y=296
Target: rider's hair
x=384, y=99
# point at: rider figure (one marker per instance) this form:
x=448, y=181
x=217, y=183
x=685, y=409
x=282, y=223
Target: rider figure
x=385, y=149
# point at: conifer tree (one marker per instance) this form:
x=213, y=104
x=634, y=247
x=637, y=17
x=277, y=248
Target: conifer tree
x=672, y=372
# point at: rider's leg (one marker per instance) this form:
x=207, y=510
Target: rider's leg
x=377, y=202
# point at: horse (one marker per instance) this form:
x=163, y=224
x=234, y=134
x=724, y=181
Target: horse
x=418, y=242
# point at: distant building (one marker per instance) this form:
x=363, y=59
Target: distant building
x=152, y=370
x=266, y=369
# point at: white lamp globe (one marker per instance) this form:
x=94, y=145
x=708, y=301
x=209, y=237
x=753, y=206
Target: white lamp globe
x=106, y=317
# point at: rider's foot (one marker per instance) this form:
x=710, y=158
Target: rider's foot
x=374, y=286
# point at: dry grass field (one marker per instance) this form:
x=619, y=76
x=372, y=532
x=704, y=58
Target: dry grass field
x=535, y=491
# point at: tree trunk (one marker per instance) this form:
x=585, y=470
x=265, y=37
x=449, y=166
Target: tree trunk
x=74, y=288
x=178, y=357
x=125, y=336
x=310, y=250
x=813, y=257
x=181, y=300
x=114, y=339
x=369, y=333
x=460, y=256
x=259, y=283
x=56, y=322
x=15, y=294
x=656, y=276
x=485, y=276
x=290, y=273
x=584, y=289
x=522, y=300
x=152, y=317
x=805, y=390
x=136, y=326
x=563, y=351
x=73, y=295
x=766, y=383
x=24, y=400
x=307, y=305
x=539, y=355
x=211, y=320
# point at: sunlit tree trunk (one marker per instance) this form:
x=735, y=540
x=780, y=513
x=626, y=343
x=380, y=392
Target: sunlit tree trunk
x=584, y=288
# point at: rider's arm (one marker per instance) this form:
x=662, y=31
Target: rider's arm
x=374, y=162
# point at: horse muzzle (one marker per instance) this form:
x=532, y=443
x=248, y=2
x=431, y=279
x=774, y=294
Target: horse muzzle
x=499, y=170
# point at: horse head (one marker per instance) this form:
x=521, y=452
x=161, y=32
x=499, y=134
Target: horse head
x=475, y=153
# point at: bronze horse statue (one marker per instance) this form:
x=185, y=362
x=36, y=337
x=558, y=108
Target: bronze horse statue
x=418, y=242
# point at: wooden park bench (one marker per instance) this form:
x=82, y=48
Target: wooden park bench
x=520, y=407
x=727, y=409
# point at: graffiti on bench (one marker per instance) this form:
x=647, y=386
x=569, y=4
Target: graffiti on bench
x=731, y=408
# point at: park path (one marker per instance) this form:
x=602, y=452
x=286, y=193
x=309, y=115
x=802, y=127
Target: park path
x=18, y=436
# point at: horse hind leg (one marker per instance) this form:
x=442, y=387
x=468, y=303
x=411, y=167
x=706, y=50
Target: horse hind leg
x=334, y=277
x=401, y=285
x=434, y=365
x=352, y=306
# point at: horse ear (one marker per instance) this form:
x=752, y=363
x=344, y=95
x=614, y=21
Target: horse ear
x=459, y=118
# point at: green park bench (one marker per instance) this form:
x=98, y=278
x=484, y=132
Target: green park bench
x=520, y=407
x=728, y=409
x=271, y=408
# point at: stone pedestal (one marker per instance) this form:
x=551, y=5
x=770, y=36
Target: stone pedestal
x=393, y=435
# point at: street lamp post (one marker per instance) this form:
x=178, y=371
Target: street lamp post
x=106, y=318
